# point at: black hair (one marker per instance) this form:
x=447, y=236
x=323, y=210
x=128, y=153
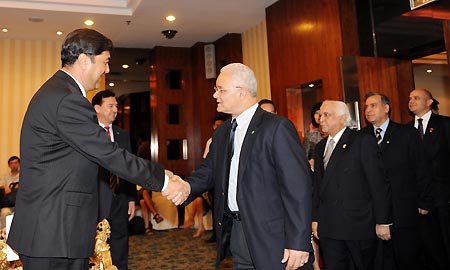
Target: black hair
x=219, y=118
x=268, y=101
x=85, y=40
x=314, y=109
x=13, y=158
x=98, y=98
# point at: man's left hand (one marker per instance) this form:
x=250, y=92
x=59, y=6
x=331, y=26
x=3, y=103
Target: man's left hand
x=294, y=258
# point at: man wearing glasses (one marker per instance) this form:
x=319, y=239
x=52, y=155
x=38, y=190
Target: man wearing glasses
x=261, y=179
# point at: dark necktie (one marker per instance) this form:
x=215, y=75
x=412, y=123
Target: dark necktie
x=378, y=135
x=420, y=127
x=233, y=129
x=113, y=181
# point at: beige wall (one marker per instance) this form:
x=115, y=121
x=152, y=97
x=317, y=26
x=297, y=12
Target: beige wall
x=24, y=66
x=255, y=55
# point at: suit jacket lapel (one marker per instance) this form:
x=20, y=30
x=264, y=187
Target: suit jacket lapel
x=339, y=150
x=249, y=140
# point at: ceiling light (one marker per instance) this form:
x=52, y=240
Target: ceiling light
x=171, y=18
x=125, y=66
x=111, y=84
x=394, y=50
x=59, y=33
x=89, y=22
x=429, y=70
x=311, y=85
x=4, y=30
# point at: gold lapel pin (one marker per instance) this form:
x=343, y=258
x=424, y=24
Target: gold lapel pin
x=344, y=146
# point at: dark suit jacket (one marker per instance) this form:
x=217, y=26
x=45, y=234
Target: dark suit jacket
x=437, y=149
x=406, y=171
x=273, y=193
x=126, y=190
x=61, y=144
x=351, y=196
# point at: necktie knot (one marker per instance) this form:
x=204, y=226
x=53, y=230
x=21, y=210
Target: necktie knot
x=233, y=125
x=108, y=132
x=378, y=135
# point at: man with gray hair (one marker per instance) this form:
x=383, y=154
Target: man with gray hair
x=261, y=178
x=351, y=198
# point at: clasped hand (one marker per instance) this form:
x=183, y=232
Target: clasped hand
x=177, y=190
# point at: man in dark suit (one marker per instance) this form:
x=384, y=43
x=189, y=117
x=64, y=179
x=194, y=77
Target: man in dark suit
x=406, y=171
x=61, y=147
x=117, y=197
x=435, y=132
x=261, y=179
x=351, y=197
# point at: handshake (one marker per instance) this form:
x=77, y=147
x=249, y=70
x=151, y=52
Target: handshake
x=177, y=189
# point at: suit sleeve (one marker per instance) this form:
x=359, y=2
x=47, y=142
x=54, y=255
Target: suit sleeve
x=78, y=126
x=295, y=180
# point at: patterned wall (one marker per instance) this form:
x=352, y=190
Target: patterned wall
x=24, y=66
x=255, y=55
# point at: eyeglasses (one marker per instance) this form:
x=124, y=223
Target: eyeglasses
x=222, y=90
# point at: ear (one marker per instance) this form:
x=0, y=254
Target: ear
x=429, y=102
x=97, y=108
x=386, y=108
x=83, y=60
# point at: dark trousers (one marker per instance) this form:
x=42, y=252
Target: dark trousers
x=41, y=263
x=401, y=252
x=348, y=254
x=239, y=248
x=118, y=220
x=434, y=232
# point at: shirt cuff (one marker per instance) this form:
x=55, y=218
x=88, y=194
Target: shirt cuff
x=166, y=182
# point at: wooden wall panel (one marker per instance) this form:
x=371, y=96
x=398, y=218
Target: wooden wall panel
x=304, y=43
x=391, y=77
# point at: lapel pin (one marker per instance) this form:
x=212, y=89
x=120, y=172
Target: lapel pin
x=253, y=132
x=344, y=146
x=431, y=130
x=387, y=141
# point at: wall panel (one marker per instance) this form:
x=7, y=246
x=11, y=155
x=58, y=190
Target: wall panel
x=24, y=66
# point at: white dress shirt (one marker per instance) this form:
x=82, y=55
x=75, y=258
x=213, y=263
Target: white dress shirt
x=243, y=120
x=426, y=119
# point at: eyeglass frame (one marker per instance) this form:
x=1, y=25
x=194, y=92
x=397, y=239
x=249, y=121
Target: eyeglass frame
x=221, y=91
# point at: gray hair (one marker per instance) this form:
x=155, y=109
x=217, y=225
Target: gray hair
x=243, y=76
x=340, y=109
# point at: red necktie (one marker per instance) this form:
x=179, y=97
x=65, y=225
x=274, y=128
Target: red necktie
x=112, y=178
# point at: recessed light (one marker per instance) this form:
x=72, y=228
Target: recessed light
x=89, y=22
x=125, y=66
x=394, y=50
x=59, y=33
x=311, y=85
x=4, y=30
x=111, y=84
x=171, y=18
x=429, y=70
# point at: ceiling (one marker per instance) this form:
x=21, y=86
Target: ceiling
x=132, y=23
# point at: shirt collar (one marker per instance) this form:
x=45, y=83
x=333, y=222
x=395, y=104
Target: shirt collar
x=425, y=117
x=383, y=126
x=83, y=92
x=337, y=137
x=243, y=120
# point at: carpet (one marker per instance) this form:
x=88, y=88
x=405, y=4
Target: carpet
x=173, y=250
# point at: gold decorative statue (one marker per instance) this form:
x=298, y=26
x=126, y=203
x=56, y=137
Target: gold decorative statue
x=102, y=256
